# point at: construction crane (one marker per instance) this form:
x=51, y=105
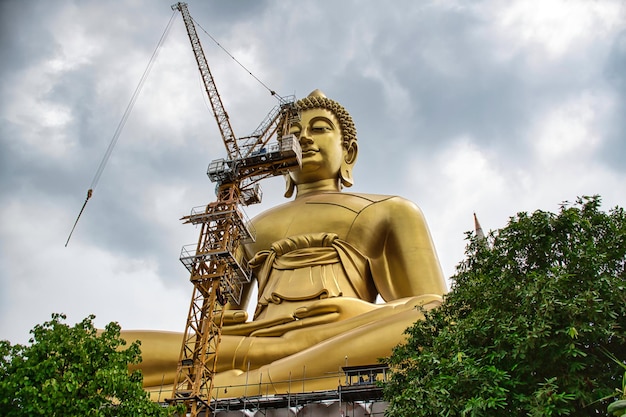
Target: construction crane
x=217, y=270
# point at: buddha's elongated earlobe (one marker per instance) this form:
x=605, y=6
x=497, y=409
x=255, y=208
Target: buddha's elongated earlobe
x=290, y=186
x=346, y=176
x=349, y=159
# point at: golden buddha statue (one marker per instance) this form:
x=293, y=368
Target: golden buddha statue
x=320, y=261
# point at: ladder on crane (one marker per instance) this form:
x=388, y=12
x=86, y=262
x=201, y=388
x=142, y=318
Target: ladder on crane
x=217, y=270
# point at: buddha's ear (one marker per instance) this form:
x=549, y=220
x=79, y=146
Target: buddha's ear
x=290, y=186
x=349, y=159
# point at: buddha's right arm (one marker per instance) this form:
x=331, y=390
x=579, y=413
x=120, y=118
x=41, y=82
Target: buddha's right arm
x=241, y=256
x=235, y=313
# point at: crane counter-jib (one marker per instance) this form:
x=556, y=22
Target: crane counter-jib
x=274, y=159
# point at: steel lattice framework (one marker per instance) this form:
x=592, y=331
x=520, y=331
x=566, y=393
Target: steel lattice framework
x=215, y=262
x=217, y=106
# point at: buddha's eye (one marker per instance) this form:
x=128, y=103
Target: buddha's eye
x=321, y=126
x=295, y=130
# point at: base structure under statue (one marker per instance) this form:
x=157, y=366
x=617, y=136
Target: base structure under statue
x=357, y=395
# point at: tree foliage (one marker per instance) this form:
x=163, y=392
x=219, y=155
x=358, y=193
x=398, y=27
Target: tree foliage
x=535, y=314
x=73, y=371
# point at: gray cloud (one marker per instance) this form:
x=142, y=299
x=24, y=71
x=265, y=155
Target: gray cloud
x=484, y=106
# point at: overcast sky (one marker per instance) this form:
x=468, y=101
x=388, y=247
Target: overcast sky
x=492, y=107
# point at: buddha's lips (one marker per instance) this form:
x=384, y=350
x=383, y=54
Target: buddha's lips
x=309, y=151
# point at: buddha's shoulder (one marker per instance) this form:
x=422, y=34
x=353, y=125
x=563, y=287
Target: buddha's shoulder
x=354, y=202
x=369, y=206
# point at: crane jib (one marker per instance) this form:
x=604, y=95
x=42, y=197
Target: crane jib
x=217, y=106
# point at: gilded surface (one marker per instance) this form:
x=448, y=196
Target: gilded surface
x=320, y=262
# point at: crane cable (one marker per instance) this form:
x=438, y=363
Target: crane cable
x=129, y=108
x=272, y=92
x=122, y=122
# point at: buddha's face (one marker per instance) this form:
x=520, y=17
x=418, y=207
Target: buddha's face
x=322, y=148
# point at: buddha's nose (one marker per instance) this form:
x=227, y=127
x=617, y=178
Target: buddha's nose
x=305, y=137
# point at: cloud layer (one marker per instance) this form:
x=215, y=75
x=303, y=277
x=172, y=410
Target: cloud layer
x=488, y=107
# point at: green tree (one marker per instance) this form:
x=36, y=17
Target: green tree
x=73, y=371
x=535, y=312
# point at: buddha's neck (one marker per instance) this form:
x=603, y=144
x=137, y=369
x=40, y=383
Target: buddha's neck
x=328, y=185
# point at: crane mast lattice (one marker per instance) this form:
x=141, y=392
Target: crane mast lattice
x=217, y=271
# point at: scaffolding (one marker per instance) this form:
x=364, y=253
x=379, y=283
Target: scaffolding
x=362, y=385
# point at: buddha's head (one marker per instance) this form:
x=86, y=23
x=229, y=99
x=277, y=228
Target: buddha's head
x=328, y=139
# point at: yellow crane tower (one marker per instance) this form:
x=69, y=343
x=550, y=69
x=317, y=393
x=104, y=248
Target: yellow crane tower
x=216, y=269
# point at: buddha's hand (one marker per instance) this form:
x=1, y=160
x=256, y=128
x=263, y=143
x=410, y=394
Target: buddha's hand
x=323, y=312
x=232, y=317
x=349, y=312
x=235, y=323
x=333, y=309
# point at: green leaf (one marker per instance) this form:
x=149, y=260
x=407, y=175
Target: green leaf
x=524, y=331
x=617, y=408
x=73, y=371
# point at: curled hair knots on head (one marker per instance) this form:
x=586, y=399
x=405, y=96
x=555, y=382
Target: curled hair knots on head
x=316, y=100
